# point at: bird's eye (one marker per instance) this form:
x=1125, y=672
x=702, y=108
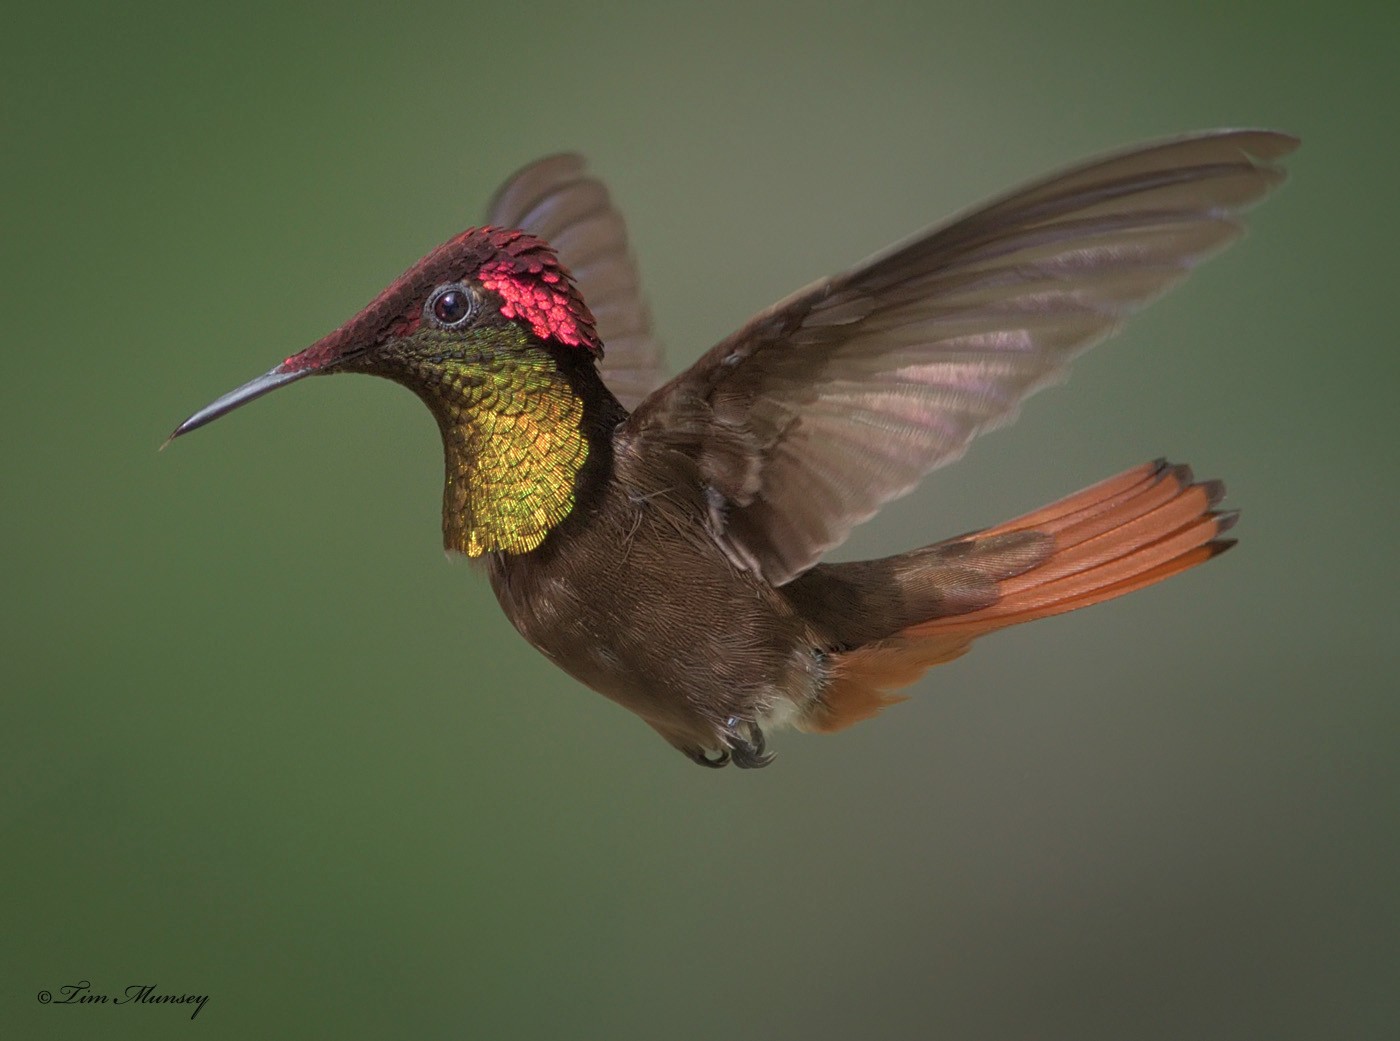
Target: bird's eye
x=452, y=305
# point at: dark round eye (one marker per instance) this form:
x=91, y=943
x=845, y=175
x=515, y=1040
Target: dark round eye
x=452, y=305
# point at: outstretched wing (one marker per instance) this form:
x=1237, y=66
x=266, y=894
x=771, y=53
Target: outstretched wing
x=844, y=395
x=555, y=199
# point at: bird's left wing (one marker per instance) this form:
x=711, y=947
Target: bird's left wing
x=557, y=200
x=843, y=396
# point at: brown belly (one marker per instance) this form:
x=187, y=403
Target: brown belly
x=640, y=605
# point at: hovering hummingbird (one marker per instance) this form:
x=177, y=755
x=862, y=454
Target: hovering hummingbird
x=661, y=541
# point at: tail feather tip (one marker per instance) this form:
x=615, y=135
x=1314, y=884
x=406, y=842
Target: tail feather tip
x=1225, y=520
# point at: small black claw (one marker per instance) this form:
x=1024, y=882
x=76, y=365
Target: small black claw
x=699, y=755
x=752, y=754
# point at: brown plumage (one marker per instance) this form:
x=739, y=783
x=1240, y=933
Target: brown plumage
x=674, y=563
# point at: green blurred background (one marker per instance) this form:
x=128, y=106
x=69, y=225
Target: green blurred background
x=261, y=742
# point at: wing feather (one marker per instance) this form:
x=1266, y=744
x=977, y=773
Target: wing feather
x=844, y=395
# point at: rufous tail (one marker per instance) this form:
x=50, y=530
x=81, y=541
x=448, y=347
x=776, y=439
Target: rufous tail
x=1122, y=534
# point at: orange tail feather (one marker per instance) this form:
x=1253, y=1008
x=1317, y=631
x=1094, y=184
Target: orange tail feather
x=1122, y=534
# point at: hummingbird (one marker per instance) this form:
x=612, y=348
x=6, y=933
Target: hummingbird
x=662, y=541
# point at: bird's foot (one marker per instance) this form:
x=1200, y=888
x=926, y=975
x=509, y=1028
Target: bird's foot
x=699, y=755
x=747, y=748
x=751, y=752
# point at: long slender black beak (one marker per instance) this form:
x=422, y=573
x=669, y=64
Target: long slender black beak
x=277, y=377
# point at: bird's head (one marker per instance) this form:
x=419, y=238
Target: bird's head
x=491, y=332
x=486, y=291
